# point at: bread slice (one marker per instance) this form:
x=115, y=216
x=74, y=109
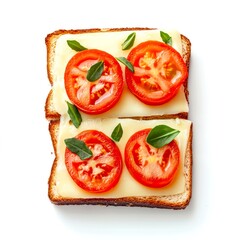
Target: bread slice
x=51, y=41
x=176, y=201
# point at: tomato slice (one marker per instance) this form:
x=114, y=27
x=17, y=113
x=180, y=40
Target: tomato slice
x=150, y=166
x=102, y=171
x=98, y=96
x=159, y=71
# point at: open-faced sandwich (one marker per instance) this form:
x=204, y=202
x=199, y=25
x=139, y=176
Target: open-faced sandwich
x=118, y=117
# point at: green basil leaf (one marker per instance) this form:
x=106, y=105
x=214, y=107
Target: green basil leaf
x=117, y=133
x=161, y=135
x=126, y=63
x=74, y=114
x=95, y=71
x=75, y=45
x=79, y=147
x=128, y=43
x=166, y=38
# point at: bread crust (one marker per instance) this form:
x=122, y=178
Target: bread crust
x=178, y=201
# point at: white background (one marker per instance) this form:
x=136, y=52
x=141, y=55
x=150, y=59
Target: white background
x=25, y=147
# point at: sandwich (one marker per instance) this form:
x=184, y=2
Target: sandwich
x=118, y=117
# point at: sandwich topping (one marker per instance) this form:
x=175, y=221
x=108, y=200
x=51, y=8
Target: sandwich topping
x=93, y=81
x=94, y=161
x=154, y=73
x=159, y=71
x=100, y=167
x=152, y=167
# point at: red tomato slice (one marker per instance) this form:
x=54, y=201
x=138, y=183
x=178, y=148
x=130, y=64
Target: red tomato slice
x=98, y=96
x=102, y=171
x=159, y=71
x=150, y=166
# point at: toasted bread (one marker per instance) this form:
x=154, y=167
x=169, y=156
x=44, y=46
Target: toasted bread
x=173, y=201
x=51, y=40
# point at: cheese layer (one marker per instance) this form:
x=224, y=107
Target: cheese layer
x=128, y=105
x=127, y=185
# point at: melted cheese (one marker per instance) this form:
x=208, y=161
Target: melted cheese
x=128, y=105
x=127, y=186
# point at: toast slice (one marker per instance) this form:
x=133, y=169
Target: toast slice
x=177, y=200
x=163, y=111
x=176, y=195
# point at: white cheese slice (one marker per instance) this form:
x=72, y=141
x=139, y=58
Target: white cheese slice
x=128, y=105
x=127, y=186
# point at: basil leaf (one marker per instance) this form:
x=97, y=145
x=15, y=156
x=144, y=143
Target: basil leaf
x=161, y=135
x=126, y=63
x=128, y=43
x=166, y=38
x=74, y=114
x=79, y=147
x=95, y=71
x=75, y=45
x=117, y=133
